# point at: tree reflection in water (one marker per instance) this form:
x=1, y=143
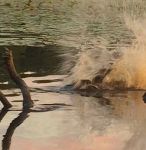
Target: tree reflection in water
x=13, y=125
x=6, y=142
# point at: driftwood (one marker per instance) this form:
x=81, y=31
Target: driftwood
x=27, y=101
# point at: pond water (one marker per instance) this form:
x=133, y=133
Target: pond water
x=46, y=38
x=62, y=120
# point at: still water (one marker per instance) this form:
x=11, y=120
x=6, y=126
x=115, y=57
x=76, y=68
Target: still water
x=46, y=38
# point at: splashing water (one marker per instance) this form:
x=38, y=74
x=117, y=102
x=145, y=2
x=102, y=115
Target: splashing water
x=130, y=70
x=127, y=63
x=101, y=36
x=91, y=58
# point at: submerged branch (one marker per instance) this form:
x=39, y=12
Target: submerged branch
x=27, y=101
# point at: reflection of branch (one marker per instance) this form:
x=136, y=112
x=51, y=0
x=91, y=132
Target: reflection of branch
x=6, y=142
x=3, y=112
x=13, y=125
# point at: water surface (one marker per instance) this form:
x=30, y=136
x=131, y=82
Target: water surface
x=62, y=120
x=39, y=33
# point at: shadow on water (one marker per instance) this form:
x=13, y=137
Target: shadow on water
x=36, y=61
x=7, y=138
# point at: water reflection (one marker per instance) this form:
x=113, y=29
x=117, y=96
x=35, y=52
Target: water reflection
x=6, y=142
x=110, y=123
x=3, y=112
x=73, y=121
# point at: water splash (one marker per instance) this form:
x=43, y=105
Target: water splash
x=91, y=58
x=128, y=63
x=130, y=70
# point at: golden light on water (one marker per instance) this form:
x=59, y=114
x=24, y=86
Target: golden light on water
x=130, y=69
